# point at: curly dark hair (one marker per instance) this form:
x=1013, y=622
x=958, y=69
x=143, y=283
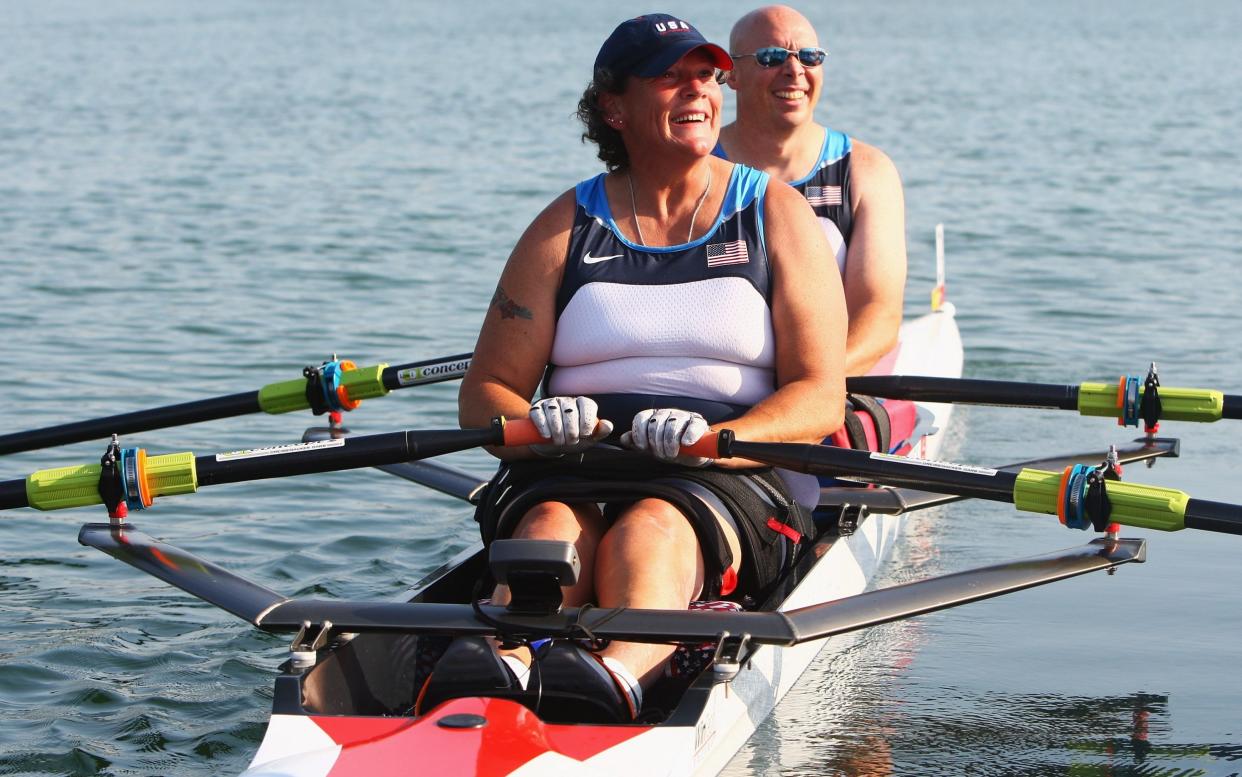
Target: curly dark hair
x=611, y=148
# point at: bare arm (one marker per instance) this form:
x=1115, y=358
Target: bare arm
x=516, y=339
x=808, y=322
x=875, y=269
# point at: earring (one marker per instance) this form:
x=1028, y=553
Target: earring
x=617, y=123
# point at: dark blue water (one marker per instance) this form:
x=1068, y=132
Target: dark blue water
x=198, y=200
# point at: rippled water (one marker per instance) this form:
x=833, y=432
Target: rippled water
x=198, y=200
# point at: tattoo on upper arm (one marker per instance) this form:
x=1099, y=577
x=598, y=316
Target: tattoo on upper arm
x=508, y=307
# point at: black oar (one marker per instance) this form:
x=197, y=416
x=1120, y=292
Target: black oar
x=1128, y=400
x=134, y=480
x=1080, y=496
x=337, y=385
x=433, y=474
x=893, y=501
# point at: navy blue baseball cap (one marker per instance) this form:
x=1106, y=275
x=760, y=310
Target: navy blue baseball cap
x=648, y=45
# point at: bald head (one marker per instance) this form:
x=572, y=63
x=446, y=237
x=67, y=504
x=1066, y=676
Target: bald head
x=771, y=25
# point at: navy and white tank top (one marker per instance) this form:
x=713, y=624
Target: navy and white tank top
x=827, y=189
x=686, y=326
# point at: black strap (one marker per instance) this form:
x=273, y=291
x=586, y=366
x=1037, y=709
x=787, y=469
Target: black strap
x=854, y=431
x=111, y=491
x=751, y=497
x=879, y=418
x=1150, y=407
x=314, y=390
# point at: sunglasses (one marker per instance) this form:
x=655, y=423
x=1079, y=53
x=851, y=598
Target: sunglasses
x=775, y=56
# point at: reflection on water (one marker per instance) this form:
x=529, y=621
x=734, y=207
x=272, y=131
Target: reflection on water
x=878, y=702
x=871, y=736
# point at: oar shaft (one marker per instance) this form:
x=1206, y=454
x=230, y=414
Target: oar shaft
x=1065, y=494
x=13, y=494
x=975, y=482
x=131, y=423
x=427, y=371
x=1213, y=516
x=281, y=397
x=1090, y=399
x=966, y=391
x=149, y=477
x=333, y=455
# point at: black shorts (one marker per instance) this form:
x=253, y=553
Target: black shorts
x=772, y=528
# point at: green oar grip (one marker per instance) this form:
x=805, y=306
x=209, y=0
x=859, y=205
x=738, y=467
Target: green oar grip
x=288, y=396
x=78, y=486
x=1176, y=404
x=1133, y=504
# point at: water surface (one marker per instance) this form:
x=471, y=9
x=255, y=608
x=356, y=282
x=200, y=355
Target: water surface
x=198, y=200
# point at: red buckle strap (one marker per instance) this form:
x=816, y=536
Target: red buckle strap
x=794, y=536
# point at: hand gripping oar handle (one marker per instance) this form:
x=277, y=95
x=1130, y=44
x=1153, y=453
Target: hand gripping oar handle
x=1032, y=490
x=712, y=445
x=182, y=473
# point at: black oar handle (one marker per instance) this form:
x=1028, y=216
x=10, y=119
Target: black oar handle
x=966, y=391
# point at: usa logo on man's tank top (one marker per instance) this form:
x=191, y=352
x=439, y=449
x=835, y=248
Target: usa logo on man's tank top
x=823, y=195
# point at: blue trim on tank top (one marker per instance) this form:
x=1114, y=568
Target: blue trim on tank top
x=746, y=185
x=836, y=146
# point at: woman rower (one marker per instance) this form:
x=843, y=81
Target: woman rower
x=674, y=291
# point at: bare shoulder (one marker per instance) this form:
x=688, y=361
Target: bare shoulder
x=785, y=207
x=780, y=196
x=793, y=233
x=547, y=237
x=559, y=212
x=868, y=164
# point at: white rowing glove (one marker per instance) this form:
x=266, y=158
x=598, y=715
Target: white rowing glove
x=661, y=433
x=572, y=423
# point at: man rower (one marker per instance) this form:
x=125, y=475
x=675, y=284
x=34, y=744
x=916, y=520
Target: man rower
x=853, y=187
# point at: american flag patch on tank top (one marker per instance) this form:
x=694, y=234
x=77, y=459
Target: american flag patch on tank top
x=823, y=195
x=733, y=252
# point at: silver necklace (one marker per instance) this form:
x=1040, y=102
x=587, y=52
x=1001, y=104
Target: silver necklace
x=693, y=216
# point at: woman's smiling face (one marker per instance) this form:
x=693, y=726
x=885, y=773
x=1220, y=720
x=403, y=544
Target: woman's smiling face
x=679, y=109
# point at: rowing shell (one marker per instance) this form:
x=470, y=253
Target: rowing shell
x=342, y=716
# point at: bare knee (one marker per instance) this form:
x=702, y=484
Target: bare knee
x=560, y=521
x=651, y=544
x=653, y=521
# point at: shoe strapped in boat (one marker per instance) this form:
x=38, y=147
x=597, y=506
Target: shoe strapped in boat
x=688, y=660
x=585, y=687
x=471, y=667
